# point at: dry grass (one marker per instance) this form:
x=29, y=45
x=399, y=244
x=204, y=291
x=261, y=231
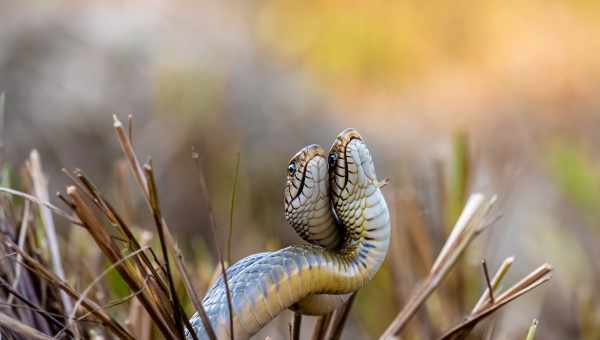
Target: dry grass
x=39, y=302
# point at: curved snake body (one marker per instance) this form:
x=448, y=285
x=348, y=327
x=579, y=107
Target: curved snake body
x=264, y=284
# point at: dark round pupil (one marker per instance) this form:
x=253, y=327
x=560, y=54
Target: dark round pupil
x=332, y=159
x=292, y=168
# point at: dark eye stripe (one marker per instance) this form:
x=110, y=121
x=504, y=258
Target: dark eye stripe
x=302, y=180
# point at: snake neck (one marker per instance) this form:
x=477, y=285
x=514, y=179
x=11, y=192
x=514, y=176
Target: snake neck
x=367, y=239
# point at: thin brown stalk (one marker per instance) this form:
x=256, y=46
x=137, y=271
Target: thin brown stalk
x=227, y=292
x=232, y=206
x=130, y=128
x=46, y=204
x=50, y=317
x=321, y=327
x=86, y=291
x=158, y=220
x=141, y=179
x=487, y=297
x=21, y=245
x=340, y=318
x=204, y=191
x=487, y=280
x=107, y=209
x=193, y=295
x=21, y=328
x=296, y=325
x=469, y=225
x=513, y=293
x=127, y=148
x=2, y=112
x=40, y=188
x=47, y=275
x=110, y=250
x=500, y=273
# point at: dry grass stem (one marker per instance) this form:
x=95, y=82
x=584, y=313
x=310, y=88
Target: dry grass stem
x=21, y=328
x=320, y=330
x=498, y=276
x=530, y=282
x=21, y=245
x=296, y=325
x=469, y=225
x=340, y=317
x=40, y=202
x=204, y=192
x=127, y=148
x=133, y=278
x=232, y=206
x=487, y=280
x=40, y=188
x=47, y=275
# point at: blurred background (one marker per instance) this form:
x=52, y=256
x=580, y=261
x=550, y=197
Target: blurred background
x=452, y=97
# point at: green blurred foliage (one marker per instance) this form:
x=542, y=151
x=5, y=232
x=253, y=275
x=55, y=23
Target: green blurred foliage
x=375, y=302
x=577, y=175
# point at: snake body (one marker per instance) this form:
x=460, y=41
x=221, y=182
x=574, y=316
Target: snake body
x=312, y=278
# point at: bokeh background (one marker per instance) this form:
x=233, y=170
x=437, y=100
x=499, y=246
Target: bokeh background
x=452, y=97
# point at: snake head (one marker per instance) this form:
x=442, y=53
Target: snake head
x=350, y=165
x=306, y=196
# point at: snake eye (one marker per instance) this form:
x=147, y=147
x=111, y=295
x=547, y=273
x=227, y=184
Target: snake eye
x=332, y=159
x=292, y=168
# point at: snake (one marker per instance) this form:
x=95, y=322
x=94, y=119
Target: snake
x=335, y=203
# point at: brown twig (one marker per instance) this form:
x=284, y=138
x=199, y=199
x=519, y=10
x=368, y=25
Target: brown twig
x=232, y=206
x=110, y=250
x=530, y=282
x=469, y=225
x=498, y=276
x=204, y=191
x=487, y=280
x=194, y=296
x=321, y=327
x=97, y=279
x=21, y=328
x=158, y=220
x=47, y=275
x=40, y=188
x=340, y=318
x=38, y=201
x=21, y=245
x=127, y=148
x=297, y=323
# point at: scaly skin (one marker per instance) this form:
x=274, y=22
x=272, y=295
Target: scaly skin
x=308, y=210
x=268, y=283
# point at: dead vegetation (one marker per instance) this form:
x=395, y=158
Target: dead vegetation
x=43, y=298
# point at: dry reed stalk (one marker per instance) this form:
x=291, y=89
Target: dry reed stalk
x=132, y=277
x=21, y=328
x=232, y=206
x=21, y=245
x=296, y=325
x=142, y=176
x=138, y=320
x=321, y=327
x=42, y=272
x=340, y=317
x=469, y=225
x=530, y=282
